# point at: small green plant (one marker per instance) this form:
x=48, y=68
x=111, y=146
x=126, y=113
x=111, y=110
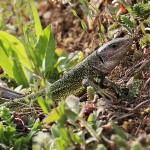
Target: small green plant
x=9, y=136
x=33, y=54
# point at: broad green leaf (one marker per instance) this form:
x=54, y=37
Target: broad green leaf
x=49, y=60
x=38, y=26
x=57, y=114
x=43, y=105
x=14, y=58
x=5, y=62
x=19, y=72
x=12, y=42
x=52, y=116
x=55, y=131
x=41, y=46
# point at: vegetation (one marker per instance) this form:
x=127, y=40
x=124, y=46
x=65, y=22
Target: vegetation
x=31, y=59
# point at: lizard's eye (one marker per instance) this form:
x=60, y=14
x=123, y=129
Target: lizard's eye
x=113, y=45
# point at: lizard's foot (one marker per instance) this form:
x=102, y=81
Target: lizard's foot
x=105, y=93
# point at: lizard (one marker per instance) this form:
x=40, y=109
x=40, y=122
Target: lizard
x=99, y=63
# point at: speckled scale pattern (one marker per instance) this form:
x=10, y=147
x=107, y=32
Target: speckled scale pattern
x=71, y=82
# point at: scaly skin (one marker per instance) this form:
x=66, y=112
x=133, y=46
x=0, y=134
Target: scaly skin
x=99, y=63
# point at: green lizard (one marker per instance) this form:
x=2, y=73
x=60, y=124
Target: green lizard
x=99, y=63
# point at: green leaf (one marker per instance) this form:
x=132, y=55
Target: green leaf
x=64, y=134
x=23, y=142
x=127, y=21
x=36, y=125
x=60, y=144
x=102, y=28
x=14, y=58
x=142, y=27
x=43, y=105
x=83, y=24
x=14, y=44
x=55, y=131
x=2, y=137
x=49, y=60
x=5, y=115
x=74, y=12
x=141, y=10
x=57, y=114
x=52, y=116
x=38, y=26
x=40, y=47
x=74, y=136
x=145, y=40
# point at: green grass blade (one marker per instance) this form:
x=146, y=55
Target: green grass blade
x=38, y=26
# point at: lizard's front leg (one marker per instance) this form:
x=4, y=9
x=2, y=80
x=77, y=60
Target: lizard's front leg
x=95, y=78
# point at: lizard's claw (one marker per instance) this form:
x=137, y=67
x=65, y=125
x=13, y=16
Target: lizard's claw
x=106, y=94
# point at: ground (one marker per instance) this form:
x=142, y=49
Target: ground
x=131, y=113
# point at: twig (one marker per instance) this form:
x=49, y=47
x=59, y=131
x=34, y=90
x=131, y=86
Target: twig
x=141, y=104
x=124, y=116
x=132, y=111
x=147, y=62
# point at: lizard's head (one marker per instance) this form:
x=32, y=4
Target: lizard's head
x=113, y=52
